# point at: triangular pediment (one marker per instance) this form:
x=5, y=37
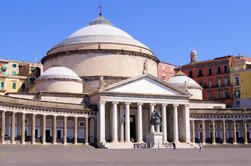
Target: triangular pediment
x=145, y=84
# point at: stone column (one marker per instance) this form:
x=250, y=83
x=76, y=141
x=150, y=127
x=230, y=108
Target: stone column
x=203, y=132
x=65, y=130
x=115, y=122
x=33, y=129
x=224, y=131
x=86, y=132
x=139, y=123
x=13, y=121
x=152, y=130
x=187, y=123
x=75, y=130
x=54, y=130
x=3, y=127
x=213, y=132
x=245, y=132
x=44, y=130
x=234, y=132
x=127, y=122
x=193, y=131
x=23, y=129
x=121, y=122
x=164, y=130
x=101, y=124
x=175, y=123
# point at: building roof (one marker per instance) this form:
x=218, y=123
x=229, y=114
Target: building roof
x=181, y=80
x=101, y=31
x=60, y=73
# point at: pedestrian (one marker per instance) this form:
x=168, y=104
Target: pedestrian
x=174, y=146
x=200, y=145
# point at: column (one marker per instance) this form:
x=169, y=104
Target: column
x=13, y=120
x=75, y=130
x=203, y=132
x=115, y=122
x=86, y=131
x=44, y=130
x=3, y=127
x=65, y=130
x=23, y=129
x=175, y=123
x=121, y=122
x=213, y=132
x=164, y=130
x=193, y=131
x=33, y=129
x=234, y=132
x=245, y=132
x=101, y=124
x=139, y=123
x=152, y=130
x=127, y=122
x=224, y=131
x=54, y=130
x=187, y=123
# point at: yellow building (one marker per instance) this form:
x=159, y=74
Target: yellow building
x=18, y=76
x=241, y=81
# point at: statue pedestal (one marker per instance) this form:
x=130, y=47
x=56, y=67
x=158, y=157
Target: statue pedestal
x=154, y=140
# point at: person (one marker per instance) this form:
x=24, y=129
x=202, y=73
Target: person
x=200, y=145
x=174, y=146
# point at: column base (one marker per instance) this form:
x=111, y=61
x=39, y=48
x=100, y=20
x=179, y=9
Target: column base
x=214, y=143
x=75, y=143
x=54, y=143
x=86, y=143
x=246, y=143
x=23, y=143
x=234, y=143
x=65, y=143
x=224, y=143
x=44, y=143
x=33, y=143
x=13, y=143
x=3, y=142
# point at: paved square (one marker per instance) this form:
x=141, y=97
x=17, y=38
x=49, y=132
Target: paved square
x=29, y=155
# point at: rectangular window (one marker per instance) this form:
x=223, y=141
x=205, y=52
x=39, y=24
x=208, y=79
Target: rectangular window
x=210, y=95
x=14, y=73
x=225, y=69
x=226, y=81
x=210, y=71
x=210, y=83
x=191, y=74
x=14, y=65
x=219, y=82
x=219, y=70
x=163, y=68
x=237, y=94
x=226, y=94
x=236, y=81
x=14, y=85
x=200, y=74
x=2, y=85
x=3, y=72
x=219, y=95
x=201, y=82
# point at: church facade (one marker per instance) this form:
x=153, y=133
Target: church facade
x=100, y=87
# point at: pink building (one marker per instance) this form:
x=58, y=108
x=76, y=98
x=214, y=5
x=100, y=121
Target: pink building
x=165, y=70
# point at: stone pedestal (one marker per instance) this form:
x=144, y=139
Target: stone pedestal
x=154, y=140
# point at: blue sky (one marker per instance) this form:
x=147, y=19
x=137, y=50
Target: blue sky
x=171, y=28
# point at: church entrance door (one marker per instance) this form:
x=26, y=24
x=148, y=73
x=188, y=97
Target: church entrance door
x=132, y=128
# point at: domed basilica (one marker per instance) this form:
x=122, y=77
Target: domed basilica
x=100, y=87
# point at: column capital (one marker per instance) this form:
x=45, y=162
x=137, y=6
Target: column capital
x=175, y=105
x=140, y=103
x=164, y=104
x=115, y=102
x=102, y=102
x=128, y=103
x=152, y=104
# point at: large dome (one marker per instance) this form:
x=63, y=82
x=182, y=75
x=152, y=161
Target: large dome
x=103, y=33
x=102, y=49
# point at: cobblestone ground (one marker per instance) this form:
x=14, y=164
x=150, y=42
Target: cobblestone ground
x=57, y=155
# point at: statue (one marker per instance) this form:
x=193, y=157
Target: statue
x=145, y=67
x=155, y=118
x=101, y=82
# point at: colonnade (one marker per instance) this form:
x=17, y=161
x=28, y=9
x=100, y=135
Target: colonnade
x=124, y=124
x=42, y=127
x=213, y=123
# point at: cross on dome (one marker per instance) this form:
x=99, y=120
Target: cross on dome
x=100, y=10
